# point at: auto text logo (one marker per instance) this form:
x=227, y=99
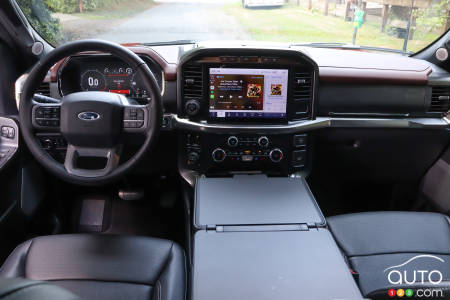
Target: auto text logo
x=400, y=275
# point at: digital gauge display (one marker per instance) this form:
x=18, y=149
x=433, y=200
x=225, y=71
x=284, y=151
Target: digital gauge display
x=93, y=80
x=119, y=80
x=107, y=74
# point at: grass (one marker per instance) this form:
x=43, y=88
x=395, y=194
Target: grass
x=118, y=10
x=292, y=23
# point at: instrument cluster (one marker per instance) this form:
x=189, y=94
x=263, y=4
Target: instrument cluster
x=105, y=73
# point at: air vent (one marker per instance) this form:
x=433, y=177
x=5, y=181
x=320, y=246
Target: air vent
x=192, y=83
x=44, y=89
x=303, y=87
x=440, y=99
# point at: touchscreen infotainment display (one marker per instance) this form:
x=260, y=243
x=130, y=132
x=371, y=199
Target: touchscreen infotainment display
x=248, y=93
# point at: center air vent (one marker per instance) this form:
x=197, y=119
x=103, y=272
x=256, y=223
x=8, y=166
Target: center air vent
x=440, y=99
x=192, y=83
x=44, y=89
x=303, y=93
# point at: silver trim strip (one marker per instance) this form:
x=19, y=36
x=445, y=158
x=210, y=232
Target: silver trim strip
x=309, y=125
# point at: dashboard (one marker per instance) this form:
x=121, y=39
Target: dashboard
x=105, y=73
x=262, y=109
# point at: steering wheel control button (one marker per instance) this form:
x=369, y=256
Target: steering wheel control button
x=133, y=117
x=53, y=142
x=263, y=142
x=4, y=131
x=47, y=116
x=8, y=132
x=300, y=140
x=276, y=155
x=11, y=133
x=218, y=155
x=232, y=141
x=140, y=114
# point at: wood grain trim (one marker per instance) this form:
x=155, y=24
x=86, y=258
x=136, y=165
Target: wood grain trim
x=54, y=70
x=170, y=70
x=354, y=75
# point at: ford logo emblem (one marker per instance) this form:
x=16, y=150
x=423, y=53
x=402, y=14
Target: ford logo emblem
x=88, y=116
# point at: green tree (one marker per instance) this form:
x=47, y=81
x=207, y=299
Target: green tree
x=71, y=6
x=39, y=16
x=435, y=17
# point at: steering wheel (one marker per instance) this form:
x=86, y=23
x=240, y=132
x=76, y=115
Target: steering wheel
x=93, y=123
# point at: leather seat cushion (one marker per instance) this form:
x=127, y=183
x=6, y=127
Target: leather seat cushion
x=376, y=241
x=22, y=289
x=389, y=232
x=102, y=266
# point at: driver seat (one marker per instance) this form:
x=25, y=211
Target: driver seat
x=103, y=266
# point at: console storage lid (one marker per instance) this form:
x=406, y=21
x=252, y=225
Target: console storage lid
x=287, y=265
x=255, y=200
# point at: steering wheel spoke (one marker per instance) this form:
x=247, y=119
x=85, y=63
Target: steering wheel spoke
x=45, y=99
x=46, y=116
x=108, y=159
x=136, y=118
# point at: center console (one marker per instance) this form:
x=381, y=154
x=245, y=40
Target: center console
x=237, y=104
x=258, y=231
x=259, y=237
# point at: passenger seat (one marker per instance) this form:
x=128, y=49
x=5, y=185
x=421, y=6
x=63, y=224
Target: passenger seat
x=392, y=250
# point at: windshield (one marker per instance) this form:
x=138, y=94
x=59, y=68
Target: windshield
x=406, y=26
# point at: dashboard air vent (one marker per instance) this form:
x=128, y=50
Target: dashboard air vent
x=440, y=99
x=192, y=83
x=303, y=88
x=44, y=89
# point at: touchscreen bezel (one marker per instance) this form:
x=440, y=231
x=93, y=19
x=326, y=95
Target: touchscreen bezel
x=206, y=91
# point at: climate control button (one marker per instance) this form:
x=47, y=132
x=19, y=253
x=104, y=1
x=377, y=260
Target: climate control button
x=232, y=141
x=218, y=155
x=276, y=155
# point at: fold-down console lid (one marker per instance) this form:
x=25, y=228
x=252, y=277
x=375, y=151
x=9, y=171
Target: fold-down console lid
x=264, y=238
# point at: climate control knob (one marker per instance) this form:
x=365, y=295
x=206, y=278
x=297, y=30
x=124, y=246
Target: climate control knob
x=276, y=155
x=192, y=107
x=218, y=155
x=263, y=141
x=232, y=141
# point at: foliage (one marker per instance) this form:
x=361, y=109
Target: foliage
x=72, y=6
x=40, y=18
x=435, y=17
x=297, y=24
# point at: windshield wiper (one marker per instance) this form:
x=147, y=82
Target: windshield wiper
x=352, y=47
x=176, y=42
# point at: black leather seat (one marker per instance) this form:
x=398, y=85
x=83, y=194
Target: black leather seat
x=103, y=266
x=23, y=289
x=379, y=243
